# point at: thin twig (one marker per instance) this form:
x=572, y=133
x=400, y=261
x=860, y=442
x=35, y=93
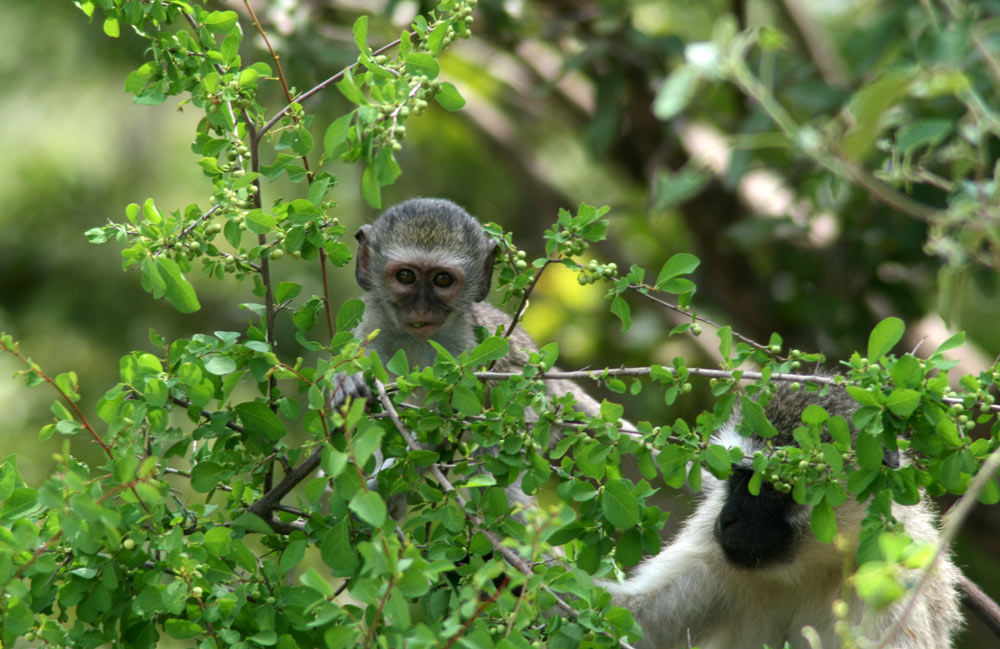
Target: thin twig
x=643, y=290
x=524, y=299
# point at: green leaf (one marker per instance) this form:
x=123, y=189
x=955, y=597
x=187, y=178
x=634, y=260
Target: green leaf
x=990, y=495
x=152, y=280
x=951, y=472
x=863, y=396
x=492, y=349
x=619, y=504
x=436, y=38
x=907, y=372
x=823, y=522
x=870, y=107
x=221, y=21
x=248, y=76
x=292, y=555
x=217, y=540
x=350, y=89
x=333, y=461
x=620, y=308
x=370, y=189
x=365, y=444
x=21, y=501
x=369, y=507
x=465, y=401
x=398, y=364
x=360, y=31
x=717, y=458
x=420, y=64
x=220, y=365
x=205, y=476
x=753, y=416
x=814, y=414
x=336, y=135
x=884, y=337
x=628, y=551
x=448, y=97
x=150, y=213
x=675, y=93
x=957, y=340
x=869, y=451
x=611, y=412
x=350, y=314
x=674, y=188
x=386, y=168
x=921, y=132
x=679, y=264
x=258, y=419
x=182, y=629
x=314, y=580
x=230, y=48
x=725, y=342
x=260, y=222
x=337, y=551
x=285, y=291
x=111, y=27
x=902, y=403
x=177, y=290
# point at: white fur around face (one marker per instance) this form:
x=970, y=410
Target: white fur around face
x=690, y=595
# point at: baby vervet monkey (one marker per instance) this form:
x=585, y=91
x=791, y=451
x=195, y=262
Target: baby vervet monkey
x=426, y=266
x=745, y=571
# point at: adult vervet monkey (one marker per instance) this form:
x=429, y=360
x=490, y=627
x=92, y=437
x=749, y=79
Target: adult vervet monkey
x=745, y=571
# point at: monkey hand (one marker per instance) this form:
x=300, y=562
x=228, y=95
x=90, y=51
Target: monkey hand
x=347, y=386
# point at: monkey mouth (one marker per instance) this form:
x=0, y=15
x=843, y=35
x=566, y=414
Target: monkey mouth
x=422, y=328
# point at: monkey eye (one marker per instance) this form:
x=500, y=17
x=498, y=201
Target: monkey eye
x=443, y=280
x=405, y=276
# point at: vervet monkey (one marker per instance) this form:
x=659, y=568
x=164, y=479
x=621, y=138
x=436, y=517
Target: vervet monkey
x=745, y=571
x=425, y=266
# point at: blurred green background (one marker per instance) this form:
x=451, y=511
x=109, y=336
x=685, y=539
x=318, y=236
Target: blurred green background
x=559, y=112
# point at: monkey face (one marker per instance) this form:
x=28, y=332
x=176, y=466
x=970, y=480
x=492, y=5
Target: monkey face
x=423, y=294
x=756, y=531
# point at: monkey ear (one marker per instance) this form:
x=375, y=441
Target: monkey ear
x=363, y=267
x=487, y=277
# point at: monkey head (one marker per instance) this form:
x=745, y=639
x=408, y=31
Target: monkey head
x=425, y=262
x=770, y=528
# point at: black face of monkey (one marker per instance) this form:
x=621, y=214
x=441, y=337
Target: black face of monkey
x=755, y=531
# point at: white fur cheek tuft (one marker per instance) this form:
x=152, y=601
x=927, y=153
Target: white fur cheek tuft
x=729, y=437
